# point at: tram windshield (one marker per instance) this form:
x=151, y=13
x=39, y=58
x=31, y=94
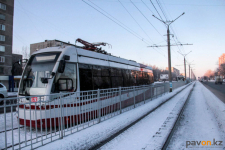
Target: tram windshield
x=39, y=66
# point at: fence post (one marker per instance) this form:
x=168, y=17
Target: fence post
x=61, y=115
x=5, y=123
x=99, y=107
x=164, y=88
x=144, y=95
x=156, y=92
x=134, y=96
x=120, y=100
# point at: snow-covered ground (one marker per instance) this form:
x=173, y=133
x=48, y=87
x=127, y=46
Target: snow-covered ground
x=199, y=122
x=141, y=134
x=95, y=134
x=12, y=94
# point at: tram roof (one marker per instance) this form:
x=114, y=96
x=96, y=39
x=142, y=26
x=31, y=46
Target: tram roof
x=82, y=52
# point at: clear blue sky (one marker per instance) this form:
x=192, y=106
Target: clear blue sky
x=203, y=25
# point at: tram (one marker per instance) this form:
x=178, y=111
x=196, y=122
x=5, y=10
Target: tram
x=72, y=69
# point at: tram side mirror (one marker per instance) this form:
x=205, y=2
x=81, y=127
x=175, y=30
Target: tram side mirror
x=62, y=64
x=66, y=57
x=19, y=62
x=44, y=80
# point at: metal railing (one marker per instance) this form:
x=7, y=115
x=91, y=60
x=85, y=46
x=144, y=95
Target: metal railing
x=36, y=120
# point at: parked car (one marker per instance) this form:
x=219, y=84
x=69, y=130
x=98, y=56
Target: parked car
x=3, y=93
x=218, y=80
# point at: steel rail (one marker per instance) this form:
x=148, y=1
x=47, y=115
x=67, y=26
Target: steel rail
x=165, y=145
x=99, y=145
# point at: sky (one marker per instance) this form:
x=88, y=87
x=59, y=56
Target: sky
x=129, y=27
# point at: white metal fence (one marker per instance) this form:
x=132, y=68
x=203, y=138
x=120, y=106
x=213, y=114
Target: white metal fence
x=36, y=120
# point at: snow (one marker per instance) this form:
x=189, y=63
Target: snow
x=198, y=123
x=88, y=137
x=12, y=94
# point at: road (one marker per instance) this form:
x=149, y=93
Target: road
x=217, y=89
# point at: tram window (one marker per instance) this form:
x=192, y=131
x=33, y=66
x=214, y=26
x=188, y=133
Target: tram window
x=65, y=84
x=97, y=71
x=117, y=82
x=145, y=78
x=139, y=78
x=85, y=77
x=66, y=81
x=106, y=83
x=97, y=83
x=133, y=78
x=105, y=71
x=101, y=78
x=126, y=77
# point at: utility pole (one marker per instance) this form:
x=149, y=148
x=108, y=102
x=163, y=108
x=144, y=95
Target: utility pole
x=168, y=23
x=184, y=62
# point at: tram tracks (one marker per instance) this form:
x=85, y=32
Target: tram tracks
x=167, y=141
x=102, y=143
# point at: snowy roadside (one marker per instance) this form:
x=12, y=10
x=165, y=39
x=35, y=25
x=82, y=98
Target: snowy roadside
x=198, y=122
x=95, y=134
x=217, y=107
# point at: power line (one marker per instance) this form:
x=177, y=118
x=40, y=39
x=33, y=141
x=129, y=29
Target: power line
x=146, y=19
x=156, y=9
x=113, y=21
x=32, y=21
x=142, y=39
x=160, y=6
x=135, y=20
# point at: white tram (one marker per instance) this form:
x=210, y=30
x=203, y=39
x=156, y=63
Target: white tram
x=72, y=69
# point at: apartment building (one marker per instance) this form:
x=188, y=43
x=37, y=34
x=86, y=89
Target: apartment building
x=222, y=59
x=47, y=43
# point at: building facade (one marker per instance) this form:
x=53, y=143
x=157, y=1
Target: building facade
x=174, y=70
x=47, y=43
x=222, y=59
x=6, y=32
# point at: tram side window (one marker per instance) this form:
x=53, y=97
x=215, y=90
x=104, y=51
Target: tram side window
x=105, y=78
x=126, y=77
x=101, y=78
x=133, y=78
x=117, y=78
x=139, y=78
x=146, y=78
x=85, y=77
x=65, y=84
x=66, y=81
x=97, y=80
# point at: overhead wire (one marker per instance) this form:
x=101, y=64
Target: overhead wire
x=112, y=20
x=135, y=21
x=32, y=21
x=142, y=39
x=146, y=19
x=117, y=20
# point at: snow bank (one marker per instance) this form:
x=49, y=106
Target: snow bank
x=216, y=105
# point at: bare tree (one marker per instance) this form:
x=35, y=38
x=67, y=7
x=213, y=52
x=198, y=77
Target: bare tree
x=25, y=53
x=209, y=73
